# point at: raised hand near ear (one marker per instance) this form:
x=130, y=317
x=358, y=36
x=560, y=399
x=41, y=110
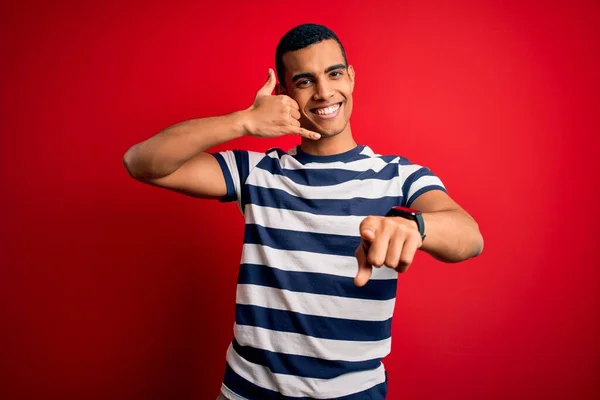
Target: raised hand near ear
x=273, y=116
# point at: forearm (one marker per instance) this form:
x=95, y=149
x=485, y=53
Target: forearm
x=169, y=149
x=451, y=236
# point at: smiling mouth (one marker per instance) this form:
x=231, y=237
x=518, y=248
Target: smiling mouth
x=327, y=112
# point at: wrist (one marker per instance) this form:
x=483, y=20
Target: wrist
x=243, y=122
x=406, y=222
x=412, y=216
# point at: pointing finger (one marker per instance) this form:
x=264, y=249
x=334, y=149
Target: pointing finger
x=304, y=133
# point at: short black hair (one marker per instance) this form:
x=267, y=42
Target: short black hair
x=300, y=37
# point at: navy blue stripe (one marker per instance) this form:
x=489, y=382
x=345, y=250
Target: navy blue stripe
x=279, y=152
x=352, y=155
x=424, y=190
x=243, y=166
x=401, y=160
x=304, y=366
x=285, y=239
x=276, y=198
x=310, y=325
x=378, y=392
x=241, y=158
x=411, y=179
x=327, y=177
x=231, y=195
x=309, y=282
x=348, y=156
x=250, y=391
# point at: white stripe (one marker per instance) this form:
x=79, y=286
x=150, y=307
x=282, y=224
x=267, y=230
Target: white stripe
x=304, y=261
x=253, y=159
x=364, y=164
x=229, y=394
x=406, y=170
x=320, y=305
x=302, y=345
x=293, y=151
x=366, y=151
x=368, y=188
x=301, y=221
x=294, y=386
x=423, y=182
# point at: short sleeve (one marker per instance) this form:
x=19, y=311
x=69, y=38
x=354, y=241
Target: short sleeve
x=236, y=166
x=417, y=180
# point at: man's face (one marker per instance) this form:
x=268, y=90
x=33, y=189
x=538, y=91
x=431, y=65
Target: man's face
x=318, y=79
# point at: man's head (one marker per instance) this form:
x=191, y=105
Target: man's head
x=313, y=70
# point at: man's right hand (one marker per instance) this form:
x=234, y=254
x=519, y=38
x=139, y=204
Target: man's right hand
x=273, y=116
x=176, y=157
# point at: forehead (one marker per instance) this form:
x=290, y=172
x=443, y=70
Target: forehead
x=313, y=59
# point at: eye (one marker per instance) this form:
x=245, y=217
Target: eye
x=303, y=83
x=336, y=74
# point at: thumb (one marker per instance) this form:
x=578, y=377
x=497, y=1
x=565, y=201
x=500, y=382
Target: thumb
x=269, y=86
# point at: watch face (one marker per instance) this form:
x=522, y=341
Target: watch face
x=406, y=210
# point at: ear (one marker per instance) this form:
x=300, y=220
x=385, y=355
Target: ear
x=351, y=75
x=280, y=90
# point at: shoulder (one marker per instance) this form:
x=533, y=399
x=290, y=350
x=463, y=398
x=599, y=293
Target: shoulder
x=386, y=158
x=276, y=152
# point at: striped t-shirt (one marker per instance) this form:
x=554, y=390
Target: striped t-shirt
x=302, y=328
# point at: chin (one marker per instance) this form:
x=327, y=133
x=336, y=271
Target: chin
x=327, y=131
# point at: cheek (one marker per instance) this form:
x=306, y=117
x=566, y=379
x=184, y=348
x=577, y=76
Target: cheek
x=349, y=103
x=348, y=107
x=302, y=106
x=300, y=97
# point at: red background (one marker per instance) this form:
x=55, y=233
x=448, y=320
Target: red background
x=113, y=289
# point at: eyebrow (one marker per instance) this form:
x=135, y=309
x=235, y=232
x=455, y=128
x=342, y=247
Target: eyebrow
x=311, y=75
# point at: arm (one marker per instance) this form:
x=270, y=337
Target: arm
x=452, y=235
x=175, y=158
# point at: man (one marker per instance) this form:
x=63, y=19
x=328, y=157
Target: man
x=309, y=322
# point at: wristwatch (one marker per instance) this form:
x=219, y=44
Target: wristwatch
x=409, y=213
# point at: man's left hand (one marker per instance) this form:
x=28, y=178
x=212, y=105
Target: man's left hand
x=385, y=241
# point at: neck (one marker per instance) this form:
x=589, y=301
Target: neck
x=328, y=146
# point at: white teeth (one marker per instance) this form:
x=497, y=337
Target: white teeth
x=328, y=110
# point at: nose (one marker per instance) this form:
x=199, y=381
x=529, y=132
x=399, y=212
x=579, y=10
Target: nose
x=324, y=91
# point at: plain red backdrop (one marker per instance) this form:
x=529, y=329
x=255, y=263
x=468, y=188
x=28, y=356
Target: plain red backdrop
x=110, y=289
